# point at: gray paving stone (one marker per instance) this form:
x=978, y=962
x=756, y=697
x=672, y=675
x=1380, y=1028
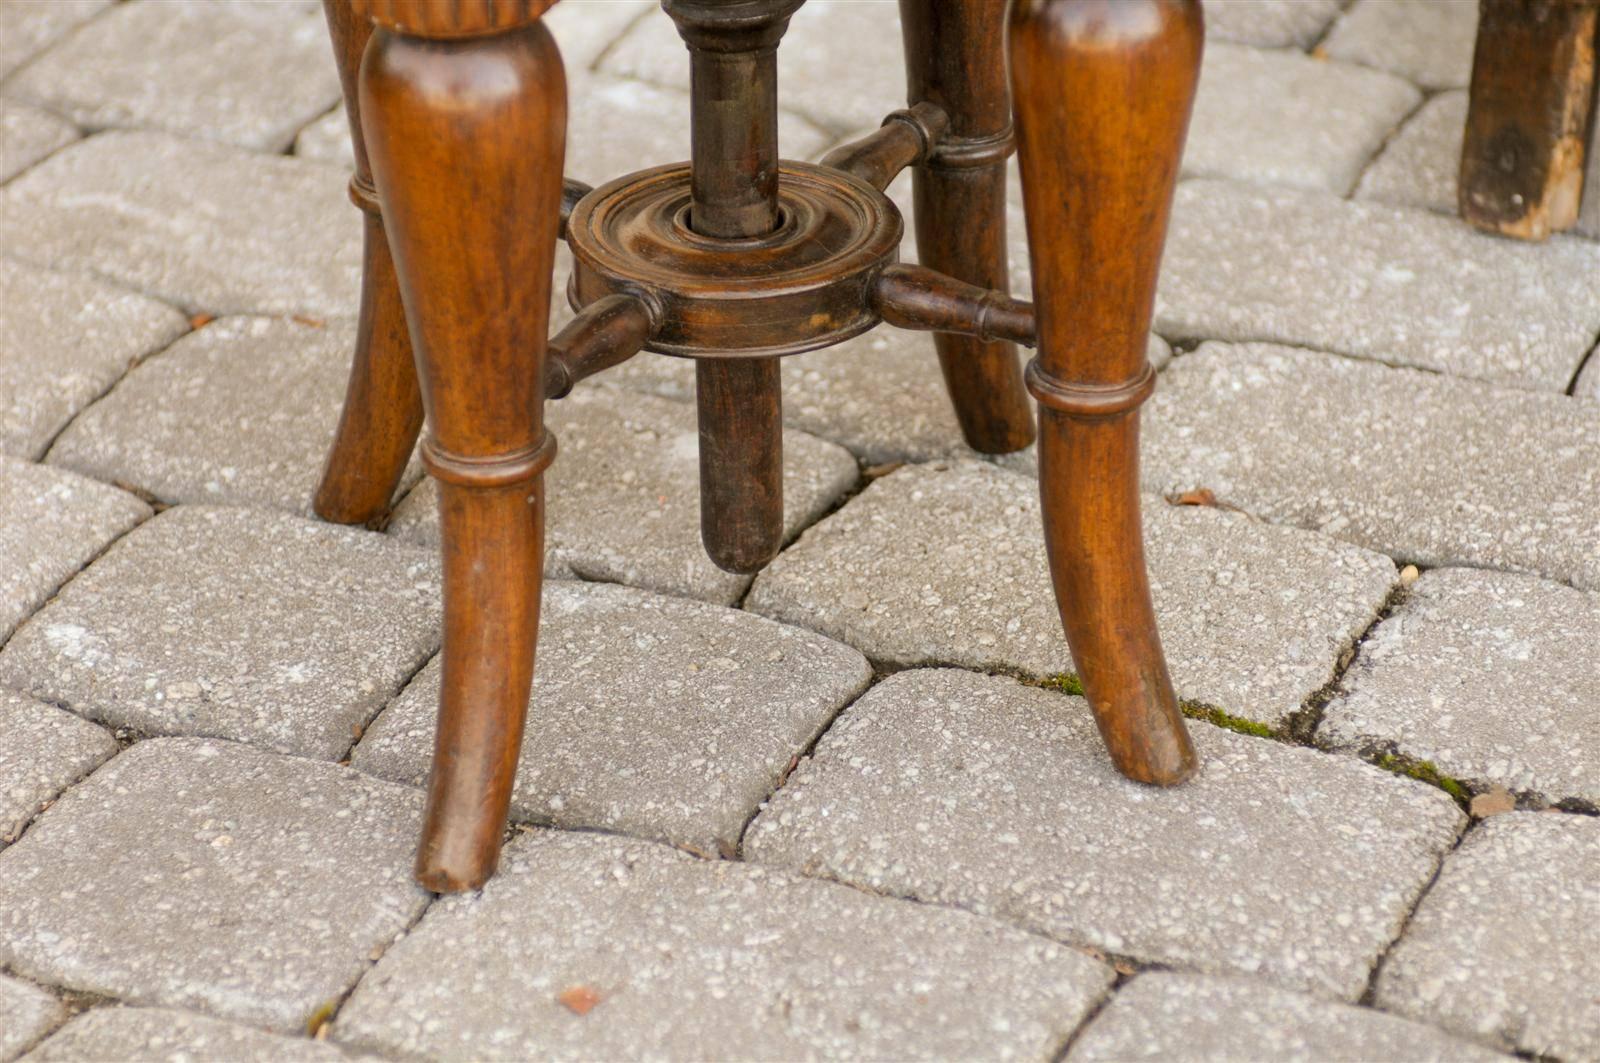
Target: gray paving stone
x=64, y=340
x=975, y=791
x=1488, y=675
x=1420, y=165
x=43, y=750
x=623, y=502
x=657, y=717
x=708, y=959
x=945, y=564
x=207, y=875
x=1428, y=42
x=1394, y=284
x=248, y=72
x=1422, y=467
x=209, y=227
x=327, y=140
x=1505, y=946
x=1279, y=117
x=28, y=134
x=28, y=28
x=230, y=623
x=841, y=64
x=55, y=522
x=240, y=412
x=1269, y=23
x=27, y=1013
x=586, y=29
x=171, y=1036
x=1169, y=1016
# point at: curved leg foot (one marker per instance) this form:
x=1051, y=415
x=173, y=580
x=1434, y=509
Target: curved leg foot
x=466, y=137
x=1103, y=90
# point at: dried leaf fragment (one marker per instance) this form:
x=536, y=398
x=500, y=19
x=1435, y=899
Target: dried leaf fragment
x=579, y=999
x=1493, y=802
x=1200, y=496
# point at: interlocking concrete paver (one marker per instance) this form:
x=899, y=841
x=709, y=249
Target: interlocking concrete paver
x=955, y=788
x=55, y=522
x=1288, y=119
x=43, y=750
x=585, y=29
x=700, y=959
x=206, y=226
x=1427, y=42
x=1388, y=283
x=240, y=412
x=64, y=340
x=657, y=717
x=1419, y=165
x=1180, y=1017
x=27, y=1013
x=26, y=29
x=1438, y=678
x=946, y=564
x=207, y=875
x=1422, y=467
x=171, y=1036
x=248, y=72
x=254, y=626
x=28, y=134
x=1269, y=23
x=623, y=497
x=1505, y=947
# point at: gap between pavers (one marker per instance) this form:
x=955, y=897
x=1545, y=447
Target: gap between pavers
x=27, y=1013
x=707, y=959
x=31, y=28
x=663, y=718
x=241, y=624
x=112, y=1032
x=28, y=134
x=1424, y=41
x=944, y=563
x=43, y=750
x=954, y=788
x=1270, y=23
x=1422, y=467
x=201, y=874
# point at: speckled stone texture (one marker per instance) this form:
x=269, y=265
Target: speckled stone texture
x=1428, y=42
x=1420, y=164
x=708, y=959
x=623, y=497
x=240, y=413
x=64, y=340
x=1422, y=467
x=1269, y=23
x=658, y=717
x=1181, y=1017
x=207, y=875
x=27, y=1013
x=975, y=791
x=43, y=750
x=236, y=624
x=209, y=227
x=248, y=72
x=945, y=564
x=1393, y=284
x=172, y=1036
x=54, y=523
x=327, y=140
x=1505, y=947
x=1488, y=675
x=1288, y=119
x=28, y=28
x=28, y=134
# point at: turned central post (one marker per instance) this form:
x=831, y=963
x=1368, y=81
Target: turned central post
x=733, y=68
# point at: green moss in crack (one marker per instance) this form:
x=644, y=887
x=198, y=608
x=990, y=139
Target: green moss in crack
x=1065, y=682
x=1227, y=721
x=1423, y=771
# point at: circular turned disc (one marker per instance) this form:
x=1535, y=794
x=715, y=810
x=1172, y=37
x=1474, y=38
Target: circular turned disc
x=800, y=287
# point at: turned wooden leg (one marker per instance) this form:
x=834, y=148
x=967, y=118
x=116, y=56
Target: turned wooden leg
x=955, y=58
x=467, y=140
x=1103, y=90
x=382, y=405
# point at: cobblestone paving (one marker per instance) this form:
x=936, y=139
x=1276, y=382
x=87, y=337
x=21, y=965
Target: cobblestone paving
x=739, y=833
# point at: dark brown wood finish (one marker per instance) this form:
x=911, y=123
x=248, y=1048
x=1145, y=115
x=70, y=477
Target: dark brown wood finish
x=467, y=139
x=1103, y=92
x=955, y=59
x=383, y=406
x=1522, y=158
